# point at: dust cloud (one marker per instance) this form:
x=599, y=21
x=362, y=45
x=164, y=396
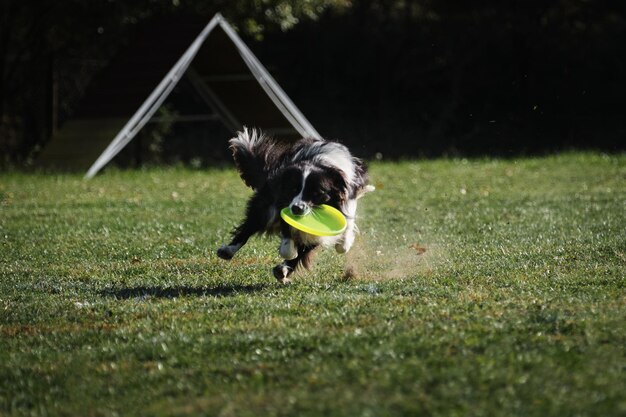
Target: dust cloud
x=373, y=260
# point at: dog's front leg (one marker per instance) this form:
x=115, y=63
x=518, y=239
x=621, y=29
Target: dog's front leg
x=287, y=249
x=283, y=271
x=239, y=239
x=241, y=235
x=258, y=215
x=346, y=241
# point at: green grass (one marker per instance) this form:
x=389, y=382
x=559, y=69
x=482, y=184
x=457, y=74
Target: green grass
x=481, y=287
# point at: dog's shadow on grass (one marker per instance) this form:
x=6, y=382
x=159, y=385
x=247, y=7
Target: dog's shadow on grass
x=147, y=292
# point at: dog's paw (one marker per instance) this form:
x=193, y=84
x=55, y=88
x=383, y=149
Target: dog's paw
x=344, y=245
x=227, y=251
x=288, y=249
x=282, y=272
x=340, y=248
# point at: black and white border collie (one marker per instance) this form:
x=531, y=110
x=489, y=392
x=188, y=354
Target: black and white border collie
x=299, y=175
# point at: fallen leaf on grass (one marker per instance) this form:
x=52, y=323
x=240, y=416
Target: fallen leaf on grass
x=418, y=248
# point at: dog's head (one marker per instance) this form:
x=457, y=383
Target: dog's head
x=304, y=186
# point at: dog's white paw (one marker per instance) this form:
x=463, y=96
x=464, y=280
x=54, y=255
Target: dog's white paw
x=281, y=273
x=288, y=249
x=345, y=244
x=340, y=249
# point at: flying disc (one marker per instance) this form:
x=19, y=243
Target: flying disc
x=323, y=220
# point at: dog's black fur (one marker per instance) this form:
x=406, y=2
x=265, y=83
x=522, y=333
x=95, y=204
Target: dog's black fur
x=301, y=176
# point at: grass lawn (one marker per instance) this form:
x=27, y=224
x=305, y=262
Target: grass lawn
x=476, y=288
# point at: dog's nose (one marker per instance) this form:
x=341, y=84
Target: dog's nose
x=298, y=208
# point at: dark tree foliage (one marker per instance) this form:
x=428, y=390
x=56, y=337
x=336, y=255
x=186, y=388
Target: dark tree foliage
x=445, y=76
x=396, y=77
x=51, y=49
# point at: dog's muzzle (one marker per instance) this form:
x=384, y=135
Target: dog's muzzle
x=300, y=208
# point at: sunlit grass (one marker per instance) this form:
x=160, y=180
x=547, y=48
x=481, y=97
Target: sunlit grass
x=480, y=287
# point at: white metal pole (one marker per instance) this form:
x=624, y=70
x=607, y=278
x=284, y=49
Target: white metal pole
x=271, y=87
x=153, y=102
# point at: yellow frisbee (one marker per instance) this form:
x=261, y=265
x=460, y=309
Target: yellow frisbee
x=323, y=220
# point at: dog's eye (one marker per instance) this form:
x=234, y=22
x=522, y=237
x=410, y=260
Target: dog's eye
x=292, y=185
x=291, y=190
x=294, y=188
x=321, y=196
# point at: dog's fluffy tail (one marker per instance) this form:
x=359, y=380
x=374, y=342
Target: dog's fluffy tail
x=254, y=155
